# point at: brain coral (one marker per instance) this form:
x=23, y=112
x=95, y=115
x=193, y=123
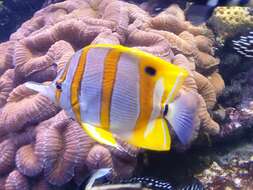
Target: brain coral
x=41, y=147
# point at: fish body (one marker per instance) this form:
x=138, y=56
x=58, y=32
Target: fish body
x=149, y=182
x=114, y=90
x=156, y=184
x=145, y=182
x=243, y=44
x=198, y=12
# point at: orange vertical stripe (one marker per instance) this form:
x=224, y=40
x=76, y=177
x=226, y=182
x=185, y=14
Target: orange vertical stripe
x=147, y=85
x=76, y=84
x=57, y=96
x=110, y=69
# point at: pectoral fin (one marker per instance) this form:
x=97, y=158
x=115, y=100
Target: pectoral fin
x=155, y=136
x=100, y=135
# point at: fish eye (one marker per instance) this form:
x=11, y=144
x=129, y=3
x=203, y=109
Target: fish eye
x=150, y=70
x=166, y=109
x=58, y=85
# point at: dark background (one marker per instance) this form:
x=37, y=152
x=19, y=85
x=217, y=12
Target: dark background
x=14, y=12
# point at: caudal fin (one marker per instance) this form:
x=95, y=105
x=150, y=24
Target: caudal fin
x=181, y=115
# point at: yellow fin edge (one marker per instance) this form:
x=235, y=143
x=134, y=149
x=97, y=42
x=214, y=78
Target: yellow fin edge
x=136, y=52
x=156, y=138
x=100, y=135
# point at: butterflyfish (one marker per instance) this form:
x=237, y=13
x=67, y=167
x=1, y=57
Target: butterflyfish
x=113, y=90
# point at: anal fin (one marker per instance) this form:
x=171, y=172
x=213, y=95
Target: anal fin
x=155, y=136
x=100, y=135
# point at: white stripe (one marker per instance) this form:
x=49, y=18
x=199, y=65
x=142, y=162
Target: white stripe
x=156, y=111
x=65, y=99
x=243, y=37
x=241, y=52
x=236, y=44
x=243, y=40
x=236, y=48
x=244, y=43
x=244, y=47
x=91, y=86
x=249, y=50
x=125, y=103
x=174, y=87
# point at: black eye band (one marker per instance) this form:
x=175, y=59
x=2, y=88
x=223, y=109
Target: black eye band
x=166, y=109
x=58, y=85
x=150, y=70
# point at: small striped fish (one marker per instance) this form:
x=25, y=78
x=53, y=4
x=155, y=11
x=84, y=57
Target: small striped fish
x=145, y=182
x=149, y=182
x=243, y=44
x=114, y=90
x=157, y=184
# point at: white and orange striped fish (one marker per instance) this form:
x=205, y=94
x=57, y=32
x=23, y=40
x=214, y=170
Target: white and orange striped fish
x=114, y=90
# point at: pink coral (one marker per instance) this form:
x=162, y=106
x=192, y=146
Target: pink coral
x=27, y=162
x=16, y=181
x=37, y=139
x=23, y=108
x=7, y=83
x=6, y=61
x=8, y=151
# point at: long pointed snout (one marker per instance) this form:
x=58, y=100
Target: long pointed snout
x=46, y=90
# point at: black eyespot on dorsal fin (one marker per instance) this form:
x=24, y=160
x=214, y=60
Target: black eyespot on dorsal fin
x=150, y=70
